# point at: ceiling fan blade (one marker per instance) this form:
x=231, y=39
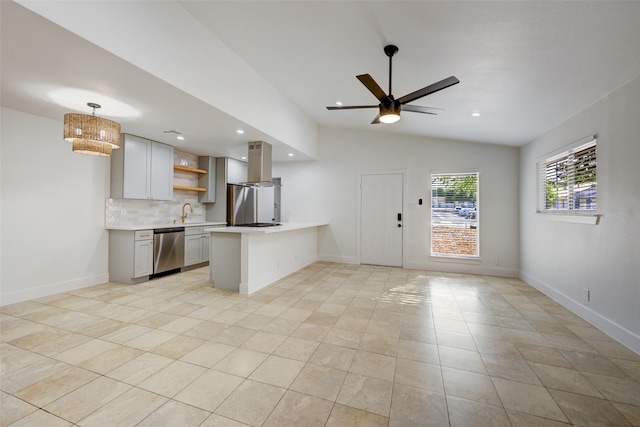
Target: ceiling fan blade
x=350, y=107
x=442, y=84
x=373, y=87
x=376, y=120
x=419, y=109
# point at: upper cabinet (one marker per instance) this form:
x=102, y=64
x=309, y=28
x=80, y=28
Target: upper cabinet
x=142, y=169
x=236, y=171
x=207, y=180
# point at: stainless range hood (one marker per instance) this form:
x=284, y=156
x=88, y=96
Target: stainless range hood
x=259, y=165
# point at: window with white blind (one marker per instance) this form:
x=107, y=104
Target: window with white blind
x=454, y=215
x=567, y=181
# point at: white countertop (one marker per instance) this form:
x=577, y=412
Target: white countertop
x=285, y=226
x=155, y=227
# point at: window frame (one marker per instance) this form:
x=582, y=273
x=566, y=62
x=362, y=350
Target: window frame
x=568, y=214
x=456, y=257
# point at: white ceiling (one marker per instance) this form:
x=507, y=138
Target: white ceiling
x=524, y=66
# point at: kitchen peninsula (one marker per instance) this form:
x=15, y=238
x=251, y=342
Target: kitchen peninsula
x=246, y=259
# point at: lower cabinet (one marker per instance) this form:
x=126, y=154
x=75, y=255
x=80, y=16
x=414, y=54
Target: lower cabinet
x=143, y=258
x=131, y=253
x=130, y=256
x=196, y=246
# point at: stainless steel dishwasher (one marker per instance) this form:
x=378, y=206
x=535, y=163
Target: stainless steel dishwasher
x=168, y=249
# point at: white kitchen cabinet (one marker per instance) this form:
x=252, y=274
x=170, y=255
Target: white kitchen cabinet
x=142, y=169
x=161, y=171
x=196, y=246
x=207, y=180
x=143, y=258
x=130, y=256
x=236, y=171
x=192, y=249
x=206, y=247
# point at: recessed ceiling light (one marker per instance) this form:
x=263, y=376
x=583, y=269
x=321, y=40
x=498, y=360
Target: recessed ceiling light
x=290, y=154
x=240, y=131
x=338, y=103
x=243, y=157
x=475, y=114
x=180, y=137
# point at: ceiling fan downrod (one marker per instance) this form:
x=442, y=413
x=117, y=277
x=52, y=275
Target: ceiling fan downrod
x=390, y=50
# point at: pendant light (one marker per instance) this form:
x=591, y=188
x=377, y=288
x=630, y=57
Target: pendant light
x=91, y=135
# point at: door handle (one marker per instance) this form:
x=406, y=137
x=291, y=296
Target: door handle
x=399, y=217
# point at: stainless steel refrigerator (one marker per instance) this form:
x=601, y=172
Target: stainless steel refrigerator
x=249, y=205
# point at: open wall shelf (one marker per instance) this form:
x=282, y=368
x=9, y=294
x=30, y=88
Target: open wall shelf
x=192, y=170
x=184, y=187
x=188, y=169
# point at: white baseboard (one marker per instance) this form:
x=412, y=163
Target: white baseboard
x=338, y=258
x=51, y=289
x=455, y=266
x=608, y=326
x=448, y=266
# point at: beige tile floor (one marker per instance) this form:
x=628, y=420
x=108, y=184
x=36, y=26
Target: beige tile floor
x=331, y=345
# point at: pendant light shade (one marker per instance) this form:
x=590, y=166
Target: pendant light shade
x=91, y=134
x=84, y=146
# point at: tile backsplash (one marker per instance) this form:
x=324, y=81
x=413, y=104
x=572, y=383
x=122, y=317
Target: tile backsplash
x=129, y=212
x=125, y=212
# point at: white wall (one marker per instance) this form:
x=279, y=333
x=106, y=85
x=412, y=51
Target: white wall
x=562, y=259
x=52, y=211
x=327, y=190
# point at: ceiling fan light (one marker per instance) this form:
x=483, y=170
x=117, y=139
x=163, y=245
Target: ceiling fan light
x=389, y=112
x=390, y=117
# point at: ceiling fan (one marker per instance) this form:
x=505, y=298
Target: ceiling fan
x=389, y=106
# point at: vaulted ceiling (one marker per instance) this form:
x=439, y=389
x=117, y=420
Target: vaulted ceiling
x=524, y=66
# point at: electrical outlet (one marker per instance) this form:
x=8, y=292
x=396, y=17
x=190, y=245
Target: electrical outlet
x=586, y=293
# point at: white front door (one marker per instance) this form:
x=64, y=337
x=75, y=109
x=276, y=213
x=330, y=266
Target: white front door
x=381, y=219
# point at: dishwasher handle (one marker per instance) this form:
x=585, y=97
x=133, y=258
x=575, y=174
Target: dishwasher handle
x=168, y=230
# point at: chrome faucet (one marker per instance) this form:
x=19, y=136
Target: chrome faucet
x=184, y=215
